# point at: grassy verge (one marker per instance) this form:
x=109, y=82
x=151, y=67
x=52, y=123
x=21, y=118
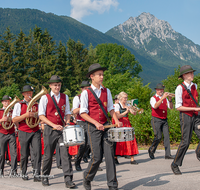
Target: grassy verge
x=161, y=147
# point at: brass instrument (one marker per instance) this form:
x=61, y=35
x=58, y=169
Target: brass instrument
x=6, y=113
x=134, y=107
x=171, y=95
x=29, y=121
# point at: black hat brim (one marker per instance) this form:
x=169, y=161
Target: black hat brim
x=186, y=72
x=94, y=70
x=54, y=81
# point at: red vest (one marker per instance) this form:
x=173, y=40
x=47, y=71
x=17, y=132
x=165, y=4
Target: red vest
x=51, y=112
x=95, y=110
x=22, y=125
x=161, y=111
x=2, y=130
x=187, y=100
x=78, y=116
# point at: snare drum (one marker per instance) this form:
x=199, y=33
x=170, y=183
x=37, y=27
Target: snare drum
x=121, y=134
x=73, y=135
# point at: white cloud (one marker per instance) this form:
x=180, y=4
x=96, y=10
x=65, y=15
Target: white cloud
x=81, y=8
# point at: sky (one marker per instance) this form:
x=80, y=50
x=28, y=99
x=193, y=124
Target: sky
x=182, y=15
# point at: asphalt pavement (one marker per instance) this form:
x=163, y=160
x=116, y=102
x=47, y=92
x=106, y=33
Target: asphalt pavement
x=148, y=174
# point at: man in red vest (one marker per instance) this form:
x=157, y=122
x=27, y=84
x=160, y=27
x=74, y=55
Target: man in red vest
x=159, y=104
x=28, y=136
x=52, y=133
x=188, y=114
x=5, y=137
x=91, y=111
x=80, y=121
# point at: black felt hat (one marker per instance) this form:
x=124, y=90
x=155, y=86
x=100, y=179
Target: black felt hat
x=160, y=86
x=54, y=79
x=27, y=88
x=185, y=69
x=6, y=97
x=84, y=84
x=93, y=68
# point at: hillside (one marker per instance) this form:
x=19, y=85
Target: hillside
x=157, y=63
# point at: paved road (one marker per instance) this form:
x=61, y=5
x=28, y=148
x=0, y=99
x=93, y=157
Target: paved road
x=149, y=174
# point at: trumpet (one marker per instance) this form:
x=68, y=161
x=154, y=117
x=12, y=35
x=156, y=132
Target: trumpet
x=134, y=108
x=171, y=95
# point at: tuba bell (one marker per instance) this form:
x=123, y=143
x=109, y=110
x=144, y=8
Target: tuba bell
x=29, y=121
x=9, y=124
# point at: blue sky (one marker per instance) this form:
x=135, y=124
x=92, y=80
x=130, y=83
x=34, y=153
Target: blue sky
x=183, y=15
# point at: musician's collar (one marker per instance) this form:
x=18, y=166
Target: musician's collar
x=52, y=94
x=158, y=96
x=187, y=84
x=94, y=87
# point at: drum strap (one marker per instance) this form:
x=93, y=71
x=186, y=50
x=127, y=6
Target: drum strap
x=58, y=110
x=100, y=103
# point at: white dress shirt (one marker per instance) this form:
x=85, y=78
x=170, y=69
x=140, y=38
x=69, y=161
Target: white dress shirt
x=17, y=110
x=84, y=99
x=76, y=103
x=153, y=101
x=179, y=92
x=44, y=101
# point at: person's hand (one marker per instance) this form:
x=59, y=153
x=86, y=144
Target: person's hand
x=5, y=118
x=29, y=114
x=165, y=95
x=197, y=109
x=58, y=127
x=99, y=126
x=119, y=124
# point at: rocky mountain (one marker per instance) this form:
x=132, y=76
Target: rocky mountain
x=155, y=38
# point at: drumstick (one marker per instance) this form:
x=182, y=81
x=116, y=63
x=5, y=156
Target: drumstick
x=109, y=126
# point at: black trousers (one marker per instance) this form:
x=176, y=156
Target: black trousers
x=84, y=146
x=159, y=126
x=187, y=126
x=32, y=140
x=58, y=158
x=100, y=145
x=4, y=139
x=51, y=138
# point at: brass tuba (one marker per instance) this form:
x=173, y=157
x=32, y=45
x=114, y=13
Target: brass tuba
x=29, y=121
x=5, y=113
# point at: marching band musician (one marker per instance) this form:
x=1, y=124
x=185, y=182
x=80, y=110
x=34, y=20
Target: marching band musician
x=28, y=136
x=5, y=137
x=81, y=122
x=90, y=111
x=159, y=104
x=127, y=148
x=52, y=133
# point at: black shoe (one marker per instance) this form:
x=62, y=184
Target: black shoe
x=116, y=161
x=78, y=167
x=85, y=159
x=113, y=188
x=59, y=167
x=1, y=173
x=100, y=169
x=25, y=177
x=134, y=162
x=8, y=163
x=70, y=184
x=169, y=157
x=45, y=181
x=37, y=178
x=197, y=155
x=151, y=154
x=175, y=169
x=86, y=184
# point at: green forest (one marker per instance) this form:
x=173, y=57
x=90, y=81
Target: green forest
x=34, y=58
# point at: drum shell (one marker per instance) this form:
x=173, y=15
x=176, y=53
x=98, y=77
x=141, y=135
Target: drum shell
x=121, y=134
x=73, y=135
